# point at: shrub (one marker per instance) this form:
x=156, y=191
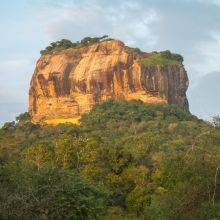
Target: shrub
x=65, y=44
x=163, y=58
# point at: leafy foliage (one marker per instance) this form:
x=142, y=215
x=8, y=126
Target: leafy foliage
x=162, y=58
x=216, y=121
x=145, y=161
x=133, y=49
x=65, y=44
x=23, y=117
x=27, y=193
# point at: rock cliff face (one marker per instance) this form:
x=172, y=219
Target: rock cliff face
x=68, y=83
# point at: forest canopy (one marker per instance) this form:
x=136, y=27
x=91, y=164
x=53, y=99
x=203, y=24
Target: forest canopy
x=126, y=160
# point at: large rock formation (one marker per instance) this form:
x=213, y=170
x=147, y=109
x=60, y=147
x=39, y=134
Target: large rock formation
x=70, y=82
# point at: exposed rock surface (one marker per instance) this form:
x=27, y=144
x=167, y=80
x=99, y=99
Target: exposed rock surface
x=68, y=83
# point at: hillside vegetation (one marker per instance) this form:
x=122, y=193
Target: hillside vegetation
x=65, y=44
x=162, y=58
x=126, y=160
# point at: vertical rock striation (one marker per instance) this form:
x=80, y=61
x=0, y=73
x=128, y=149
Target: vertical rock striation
x=68, y=83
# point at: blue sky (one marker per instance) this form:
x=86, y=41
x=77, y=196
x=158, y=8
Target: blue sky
x=189, y=27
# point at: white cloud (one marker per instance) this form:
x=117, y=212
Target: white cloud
x=126, y=21
x=210, y=51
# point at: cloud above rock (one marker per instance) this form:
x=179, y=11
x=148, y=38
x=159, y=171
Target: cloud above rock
x=125, y=20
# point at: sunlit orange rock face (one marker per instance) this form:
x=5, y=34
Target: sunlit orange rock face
x=68, y=83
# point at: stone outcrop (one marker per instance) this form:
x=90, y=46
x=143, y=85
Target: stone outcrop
x=68, y=83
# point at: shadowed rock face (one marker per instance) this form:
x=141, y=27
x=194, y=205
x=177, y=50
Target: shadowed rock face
x=69, y=83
